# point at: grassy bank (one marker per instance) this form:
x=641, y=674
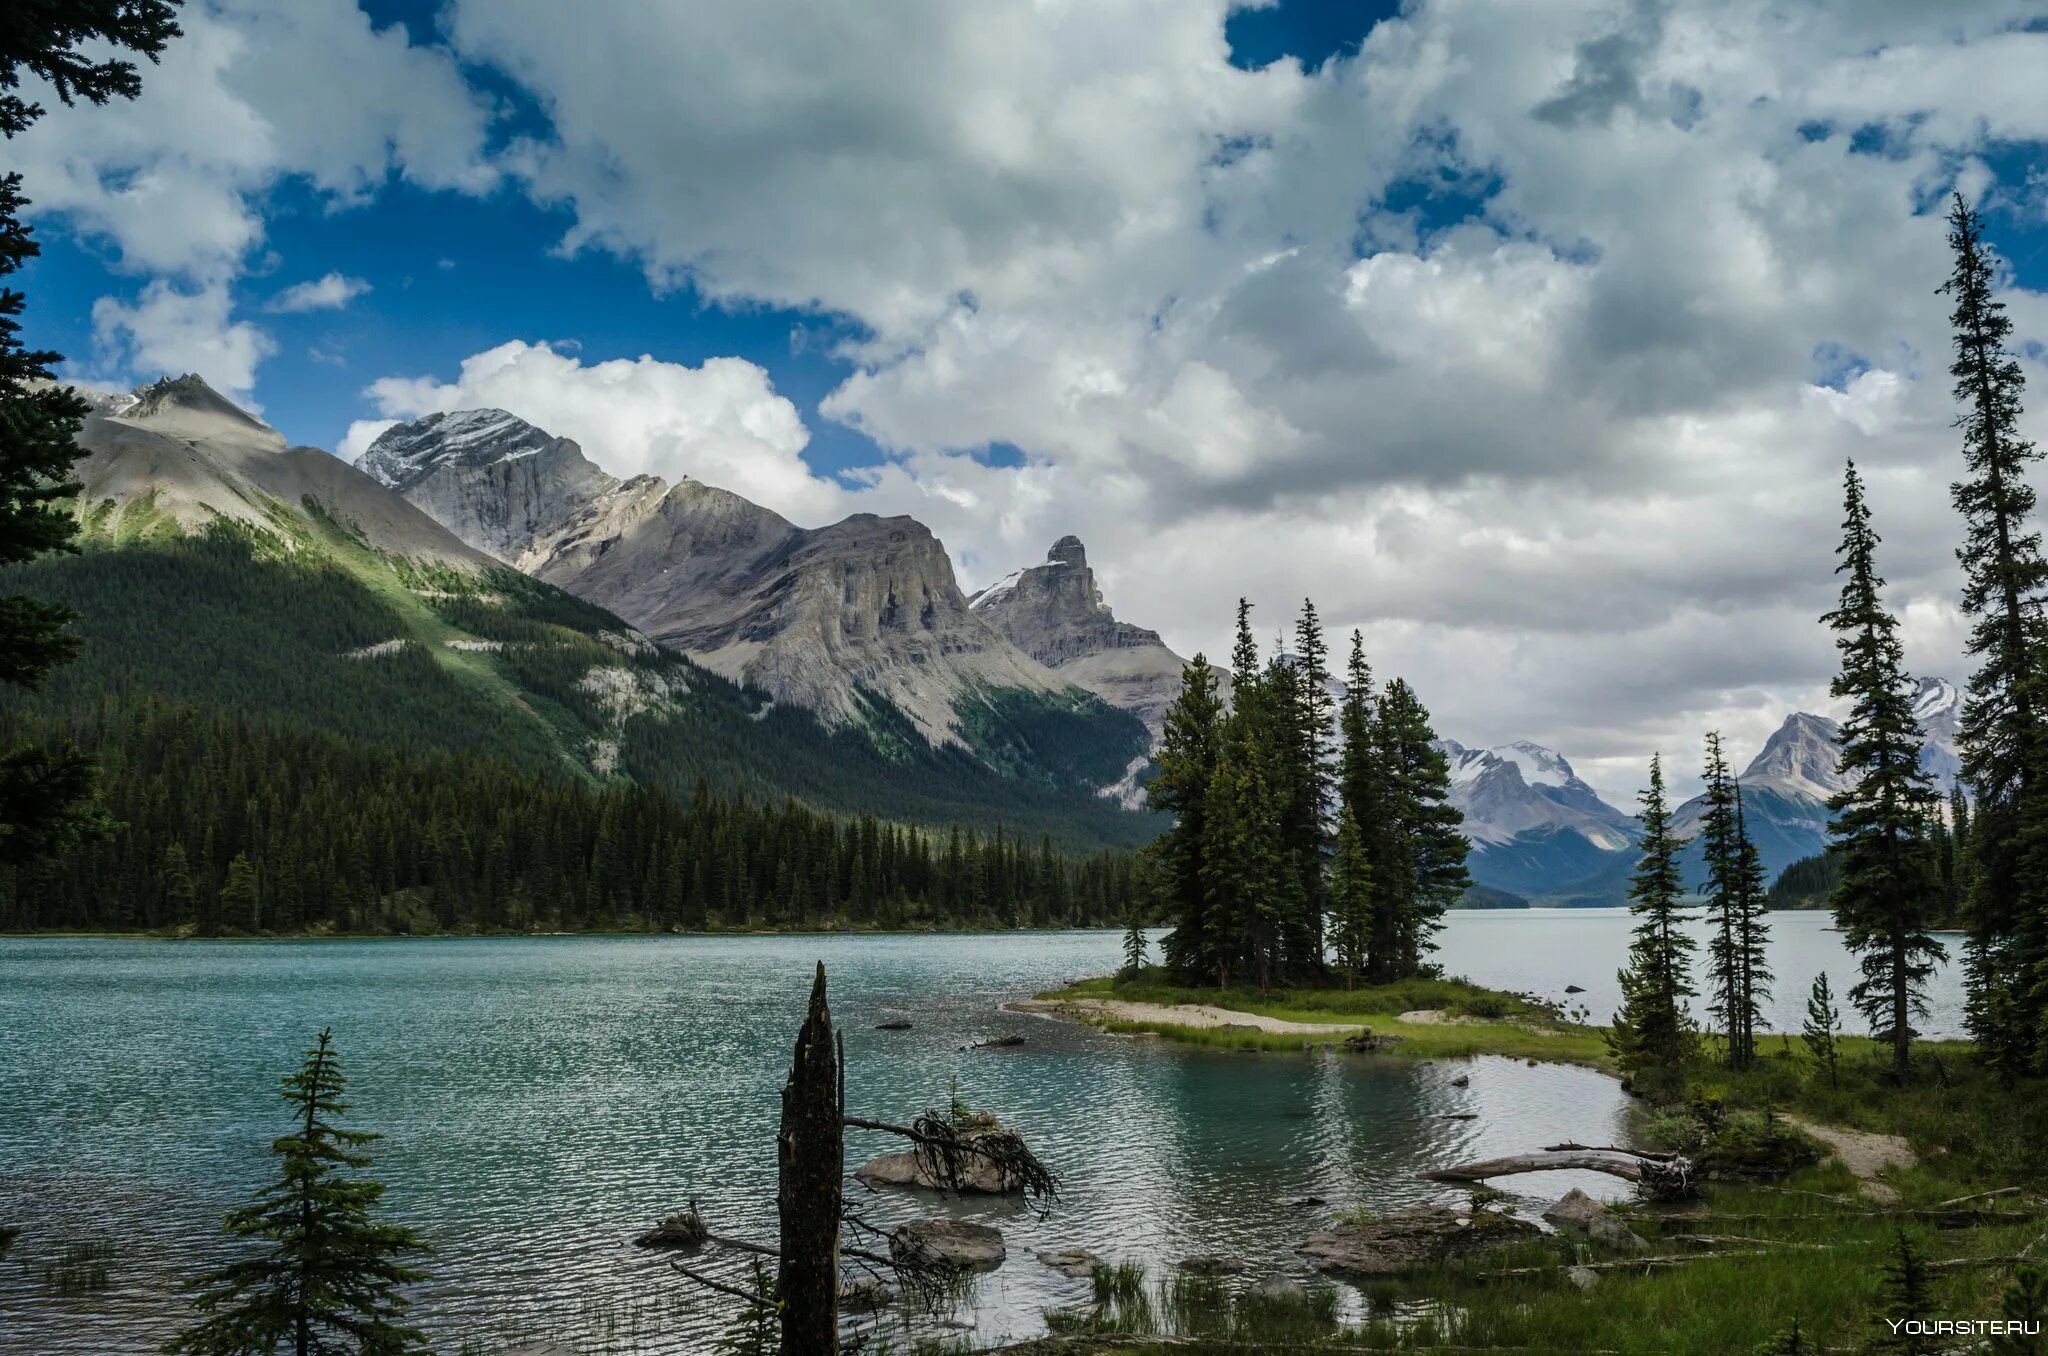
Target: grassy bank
x=1810, y=1246
x=1469, y=1020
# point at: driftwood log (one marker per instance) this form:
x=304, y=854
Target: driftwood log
x=1658, y=1177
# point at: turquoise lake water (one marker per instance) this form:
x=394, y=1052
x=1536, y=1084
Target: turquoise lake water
x=545, y=1098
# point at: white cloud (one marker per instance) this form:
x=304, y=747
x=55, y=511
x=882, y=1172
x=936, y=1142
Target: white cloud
x=1566, y=461
x=256, y=91
x=330, y=292
x=721, y=423
x=170, y=330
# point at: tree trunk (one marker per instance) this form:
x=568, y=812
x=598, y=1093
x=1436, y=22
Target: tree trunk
x=810, y=1152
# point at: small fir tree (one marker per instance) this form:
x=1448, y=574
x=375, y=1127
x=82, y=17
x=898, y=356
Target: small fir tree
x=1906, y=1288
x=1823, y=1024
x=1734, y=910
x=1652, y=1034
x=756, y=1330
x=327, y=1275
x=2024, y=1303
x=1134, y=939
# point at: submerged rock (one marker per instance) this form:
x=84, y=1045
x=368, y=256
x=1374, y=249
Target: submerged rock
x=948, y=1242
x=1410, y=1240
x=683, y=1231
x=1280, y=1288
x=892, y=1026
x=1576, y=1212
x=864, y=1295
x=1211, y=1265
x=999, y=1043
x=1076, y=1263
x=1462, y=1081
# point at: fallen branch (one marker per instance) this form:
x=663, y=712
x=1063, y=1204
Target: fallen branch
x=1659, y=1179
x=1980, y=1196
x=720, y=1286
x=1655, y=1155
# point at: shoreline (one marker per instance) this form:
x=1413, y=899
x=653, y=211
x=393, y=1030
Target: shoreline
x=646, y=934
x=1423, y=1031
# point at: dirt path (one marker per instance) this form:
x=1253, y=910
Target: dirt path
x=1865, y=1154
x=1175, y=1014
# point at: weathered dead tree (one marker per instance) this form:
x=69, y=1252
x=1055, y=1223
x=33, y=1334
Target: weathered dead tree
x=1658, y=1177
x=810, y=1202
x=810, y=1153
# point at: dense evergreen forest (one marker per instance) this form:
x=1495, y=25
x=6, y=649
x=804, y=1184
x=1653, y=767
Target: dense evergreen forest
x=1307, y=830
x=310, y=628
x=296, y=733
x=234, y=826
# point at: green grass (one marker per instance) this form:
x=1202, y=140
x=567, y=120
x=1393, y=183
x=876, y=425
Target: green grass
x=1489, y=1022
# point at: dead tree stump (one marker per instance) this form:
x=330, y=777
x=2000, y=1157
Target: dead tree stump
x=810, y=1153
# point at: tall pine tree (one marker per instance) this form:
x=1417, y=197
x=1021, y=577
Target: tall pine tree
x=1425, y=869
x=1888, y=890
x=2004, y=742
x=1190, y=744
x=1652, y=1034
x=1734, y=892
x=328, y=1275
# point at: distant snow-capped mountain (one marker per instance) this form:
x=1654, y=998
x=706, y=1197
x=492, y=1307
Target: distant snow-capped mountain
x=1540, y=832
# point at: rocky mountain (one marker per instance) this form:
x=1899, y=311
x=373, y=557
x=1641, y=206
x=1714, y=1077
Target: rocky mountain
x=1532, y=822
x=1055, y=613
x=860, y=622
x=1785, y=791
x=231, y=575
x=176, y=454
x=496, y=482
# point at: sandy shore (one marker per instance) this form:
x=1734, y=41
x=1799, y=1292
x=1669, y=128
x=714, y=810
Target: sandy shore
x=1200, y=1015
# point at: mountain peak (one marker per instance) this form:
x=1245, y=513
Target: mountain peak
x=409, y=452
x=1801, y=756
x=185, y=404
x=1068, y=551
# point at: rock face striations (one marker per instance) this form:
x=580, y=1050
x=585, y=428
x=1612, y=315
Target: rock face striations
x=1054, y=612
x=825, y=618
x=497, y=482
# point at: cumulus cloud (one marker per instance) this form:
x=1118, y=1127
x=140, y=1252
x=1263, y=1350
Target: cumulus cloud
x=172, y=183
x=721, y=423
x=169, y=329
x=1568, y=447
x=330, y=292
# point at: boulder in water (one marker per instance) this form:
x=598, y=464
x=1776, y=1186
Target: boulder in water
x=948, y=1242
x=1076, y=1263
x=1210, y=1264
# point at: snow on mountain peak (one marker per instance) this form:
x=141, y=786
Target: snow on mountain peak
x=1935, y=700
x=405, y=452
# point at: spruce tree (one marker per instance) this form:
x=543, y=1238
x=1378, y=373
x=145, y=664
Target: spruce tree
x=1752, y=933
x=1888, y=890
x=1310, y=788
x=1823, y=1024
x=1134, y=939
x=327, y=1276
x=1725, y=887
x=1907, y=1290
x=2024, y=1307
x=46, y=792
x=2002, y=735
x=1424, y=871
x=1189, y=746
x=1351, y=900
x=1652, y=1033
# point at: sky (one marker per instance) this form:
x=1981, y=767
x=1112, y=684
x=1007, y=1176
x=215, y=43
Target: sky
x=1528, y=339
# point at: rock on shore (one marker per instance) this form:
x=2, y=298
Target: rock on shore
x=1409, y=1240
